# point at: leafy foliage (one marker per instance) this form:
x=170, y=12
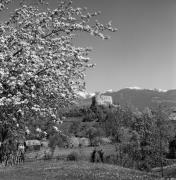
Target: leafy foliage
x=73, y=156
x=141, y=138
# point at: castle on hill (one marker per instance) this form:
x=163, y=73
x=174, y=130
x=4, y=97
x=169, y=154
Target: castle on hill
x=100, y=99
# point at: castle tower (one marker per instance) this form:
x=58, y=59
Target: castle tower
x=100, y=99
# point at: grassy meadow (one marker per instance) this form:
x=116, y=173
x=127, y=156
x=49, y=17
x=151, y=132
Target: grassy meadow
x=83, y=153
x=67, y=170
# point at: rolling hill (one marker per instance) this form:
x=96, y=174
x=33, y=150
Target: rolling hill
x=139, y=98
x=67, y=170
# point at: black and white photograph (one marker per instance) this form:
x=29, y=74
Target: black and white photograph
x=87, y=89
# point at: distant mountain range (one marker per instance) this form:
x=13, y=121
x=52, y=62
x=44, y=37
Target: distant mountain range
x=137, y=98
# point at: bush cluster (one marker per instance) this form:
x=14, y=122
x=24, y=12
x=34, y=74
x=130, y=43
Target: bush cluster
x=73, y=156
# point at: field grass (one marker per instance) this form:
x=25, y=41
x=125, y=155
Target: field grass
x=168, y=171
x=66, y=170
x=84, y=152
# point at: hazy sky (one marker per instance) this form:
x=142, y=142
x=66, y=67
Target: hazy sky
x=142, y=53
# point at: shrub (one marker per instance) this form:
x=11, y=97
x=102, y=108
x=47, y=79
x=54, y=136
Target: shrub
x=56, y=140
x=95, y=141
x=110, y=159
x=58, y=157
x=73, y=156
x=47, y=156
x=61, y=157
x=36, y=147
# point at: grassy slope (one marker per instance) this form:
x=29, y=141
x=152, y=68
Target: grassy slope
x=64, y=170
x=83, y=153
x=168, y=171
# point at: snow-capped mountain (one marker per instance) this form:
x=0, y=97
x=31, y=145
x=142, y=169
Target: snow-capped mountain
x=134, y=87
x=137, y=97
x=160, y=90
x=139, y=88
x=85, y=94
x=109, y=90
x=140, y=98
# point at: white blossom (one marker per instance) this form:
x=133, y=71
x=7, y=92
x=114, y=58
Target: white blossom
x=40, y=67
x=38, y=130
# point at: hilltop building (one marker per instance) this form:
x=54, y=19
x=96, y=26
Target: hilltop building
x=172, y=115
x=100, y=99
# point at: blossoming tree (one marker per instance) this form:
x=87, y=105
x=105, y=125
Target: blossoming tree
x=41, y=69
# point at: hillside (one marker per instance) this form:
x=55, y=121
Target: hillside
x=139, y=98
x=65, y=170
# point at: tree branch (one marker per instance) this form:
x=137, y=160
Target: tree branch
x=16, y=53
